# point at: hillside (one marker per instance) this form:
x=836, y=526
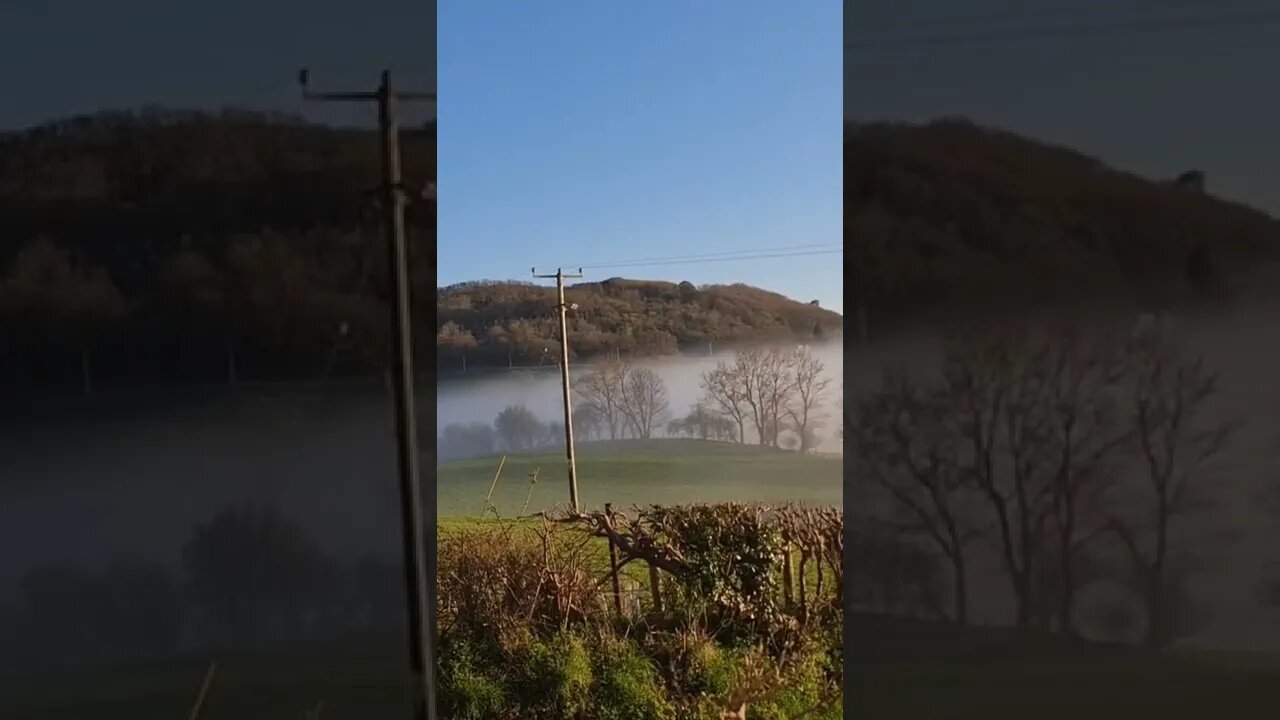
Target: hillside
x=950, y=212
x=510, y=323
x=197, y=245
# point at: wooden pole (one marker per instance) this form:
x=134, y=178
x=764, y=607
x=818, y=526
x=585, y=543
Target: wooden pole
x=613, y=564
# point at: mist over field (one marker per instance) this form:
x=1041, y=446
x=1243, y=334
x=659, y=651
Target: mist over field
x=129, y=474
x=479, y=397
x=1231, y=537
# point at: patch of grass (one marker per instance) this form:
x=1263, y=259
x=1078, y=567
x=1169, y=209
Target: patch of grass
x=918, y=671
x=665, y=471
x=361, y=684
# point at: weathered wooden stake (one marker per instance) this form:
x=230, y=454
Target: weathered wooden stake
x=613, y=564
x=655, y=588
x=786, y=576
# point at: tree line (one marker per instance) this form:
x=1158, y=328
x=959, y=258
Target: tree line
x=1076, y=452
x=509, y=324
x=780, y=395
x=200, y=246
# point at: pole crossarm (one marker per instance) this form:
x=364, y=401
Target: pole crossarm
x=304, y=79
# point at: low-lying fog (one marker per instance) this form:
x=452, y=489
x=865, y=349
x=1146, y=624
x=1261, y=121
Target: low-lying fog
x=1236, y=538
x=479, y=397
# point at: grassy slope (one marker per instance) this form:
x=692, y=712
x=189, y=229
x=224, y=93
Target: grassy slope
x=922, y=672
x=643, y=472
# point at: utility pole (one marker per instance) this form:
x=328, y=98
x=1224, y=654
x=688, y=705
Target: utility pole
x=419, y=563
x=564, y=381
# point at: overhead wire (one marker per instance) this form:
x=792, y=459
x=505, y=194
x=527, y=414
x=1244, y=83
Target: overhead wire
x=1134, y=26
x=1041, y=12
x=728, y=256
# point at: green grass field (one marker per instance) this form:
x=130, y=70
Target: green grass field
x=642, y=472
x=921, y=672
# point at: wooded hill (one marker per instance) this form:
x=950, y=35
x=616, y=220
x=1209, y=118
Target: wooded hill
x=198, y=245
x=950, y=213
x=512, y=323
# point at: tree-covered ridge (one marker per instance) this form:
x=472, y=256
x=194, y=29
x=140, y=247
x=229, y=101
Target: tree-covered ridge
x=514, y=323
x=232, y=242
x=950, y=211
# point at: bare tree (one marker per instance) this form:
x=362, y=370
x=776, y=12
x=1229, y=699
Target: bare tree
x=587, y=421
x=602, y=391
x=809, y=386
x=992, y=387
x=1084, y=433
x=644, y=400
x=1167, y=396
x=725, y=394
x=777, y=386
x=747, y=374
x=905, y=444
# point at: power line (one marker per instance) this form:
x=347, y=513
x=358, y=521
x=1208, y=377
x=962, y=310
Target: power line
x=723, y=255
x=698, y=261
x=1074, y=30
x=1023, y=14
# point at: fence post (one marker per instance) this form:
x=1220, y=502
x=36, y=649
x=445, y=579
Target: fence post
x=800, y=585
x=613, y=564
x=655, y=588
x=786, y=575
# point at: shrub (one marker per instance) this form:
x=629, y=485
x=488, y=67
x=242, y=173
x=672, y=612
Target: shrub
x=628, y=686
x=804, y=689
x=554, y=676
x=466, y=691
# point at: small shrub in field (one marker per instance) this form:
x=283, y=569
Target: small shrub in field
x=700, y=666
x=514, y=574
x=804, y=689
x=730, y=552
x=467, y=692
x=628, y=686
x=554, y=676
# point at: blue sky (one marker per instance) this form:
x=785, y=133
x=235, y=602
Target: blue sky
x=581, y=132
x=1156, y=103
x=66, y=57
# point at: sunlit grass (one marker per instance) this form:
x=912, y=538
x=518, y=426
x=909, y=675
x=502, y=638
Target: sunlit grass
x=641, y=472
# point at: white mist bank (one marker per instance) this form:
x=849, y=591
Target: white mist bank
x=1237, y=537
x=481, y=398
